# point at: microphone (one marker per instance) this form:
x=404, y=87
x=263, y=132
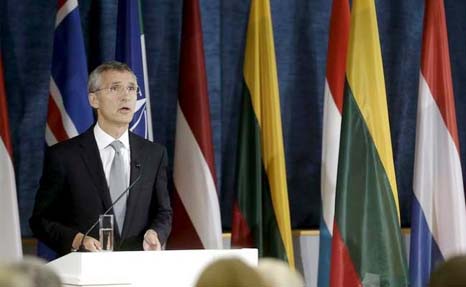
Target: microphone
x=138, y=166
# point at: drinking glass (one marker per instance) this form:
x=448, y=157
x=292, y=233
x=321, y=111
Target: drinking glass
x=106, y=232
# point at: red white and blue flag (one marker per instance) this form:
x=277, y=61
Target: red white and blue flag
x=131, y=49
x=333, y=106
x=69, y=112
x=10, y=241
x=438, y=224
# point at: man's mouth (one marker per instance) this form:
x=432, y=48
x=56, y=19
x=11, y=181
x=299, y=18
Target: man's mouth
x=124, y=109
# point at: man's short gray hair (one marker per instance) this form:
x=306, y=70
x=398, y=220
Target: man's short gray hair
x=95, y=76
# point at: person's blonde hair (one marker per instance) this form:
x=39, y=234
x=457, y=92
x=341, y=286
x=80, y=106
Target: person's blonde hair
x=229, y=272
x=30, y=272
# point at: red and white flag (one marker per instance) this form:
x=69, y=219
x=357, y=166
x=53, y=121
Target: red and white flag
x=10, y=240
x=196, y=218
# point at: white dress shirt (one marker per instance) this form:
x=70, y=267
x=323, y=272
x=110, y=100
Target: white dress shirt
x=107, y=152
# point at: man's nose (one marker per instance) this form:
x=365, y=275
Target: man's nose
x=125, y=94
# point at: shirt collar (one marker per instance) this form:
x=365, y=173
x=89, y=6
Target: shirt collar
x=104, y=140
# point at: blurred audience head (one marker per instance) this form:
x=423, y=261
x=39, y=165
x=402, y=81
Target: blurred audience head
x=450, y=273
x=230, y=272
x=30, y=272
x=277, y=273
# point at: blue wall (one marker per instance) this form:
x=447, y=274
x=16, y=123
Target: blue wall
x=301, y=28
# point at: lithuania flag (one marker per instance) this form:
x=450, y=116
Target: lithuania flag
x=261, y=216
x=366, y=247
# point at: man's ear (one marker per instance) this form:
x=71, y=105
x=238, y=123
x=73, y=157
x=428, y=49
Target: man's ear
x=93, y=100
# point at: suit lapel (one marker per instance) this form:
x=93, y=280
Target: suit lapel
x=91, y=157
x=137, y=153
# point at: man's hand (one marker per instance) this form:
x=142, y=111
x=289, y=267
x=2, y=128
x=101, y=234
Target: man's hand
x=151, y=241
x=89, y=243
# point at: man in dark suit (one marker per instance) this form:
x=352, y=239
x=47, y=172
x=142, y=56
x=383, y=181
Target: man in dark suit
x=84, y=175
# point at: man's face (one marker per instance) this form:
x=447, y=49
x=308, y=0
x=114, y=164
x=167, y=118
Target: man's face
x=115, y=100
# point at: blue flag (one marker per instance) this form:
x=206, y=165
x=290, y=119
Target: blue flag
x=130, y=49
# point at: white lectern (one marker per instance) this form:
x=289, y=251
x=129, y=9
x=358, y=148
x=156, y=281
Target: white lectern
x=141, y=268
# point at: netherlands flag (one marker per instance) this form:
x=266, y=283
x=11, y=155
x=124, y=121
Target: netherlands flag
x=131, y=49
x=69, y=112
x=333, y=106
x=438, y=224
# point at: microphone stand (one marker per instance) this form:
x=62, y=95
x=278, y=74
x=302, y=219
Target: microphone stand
x=81, y=245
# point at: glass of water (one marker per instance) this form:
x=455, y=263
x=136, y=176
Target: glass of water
x=106, y=232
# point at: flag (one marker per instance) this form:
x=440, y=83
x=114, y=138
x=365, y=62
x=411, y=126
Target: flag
x=131, y=49
x=196, y=211
x=10, y=241
x=261, y=215
x=69, y=112
x=333, y=106
x=438, y=222
x=366, y=245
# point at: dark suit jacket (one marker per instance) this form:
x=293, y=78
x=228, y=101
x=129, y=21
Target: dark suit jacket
x=73, y=193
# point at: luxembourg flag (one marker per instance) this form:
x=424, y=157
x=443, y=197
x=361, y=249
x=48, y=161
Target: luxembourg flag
x=131, y=49
x=69, y=112
x=333, y=106
x=10, y=241
x=438, y=224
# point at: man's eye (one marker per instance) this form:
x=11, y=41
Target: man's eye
x=131, y=89
x=114, y=89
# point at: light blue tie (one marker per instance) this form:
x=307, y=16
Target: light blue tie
x=117, y=184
